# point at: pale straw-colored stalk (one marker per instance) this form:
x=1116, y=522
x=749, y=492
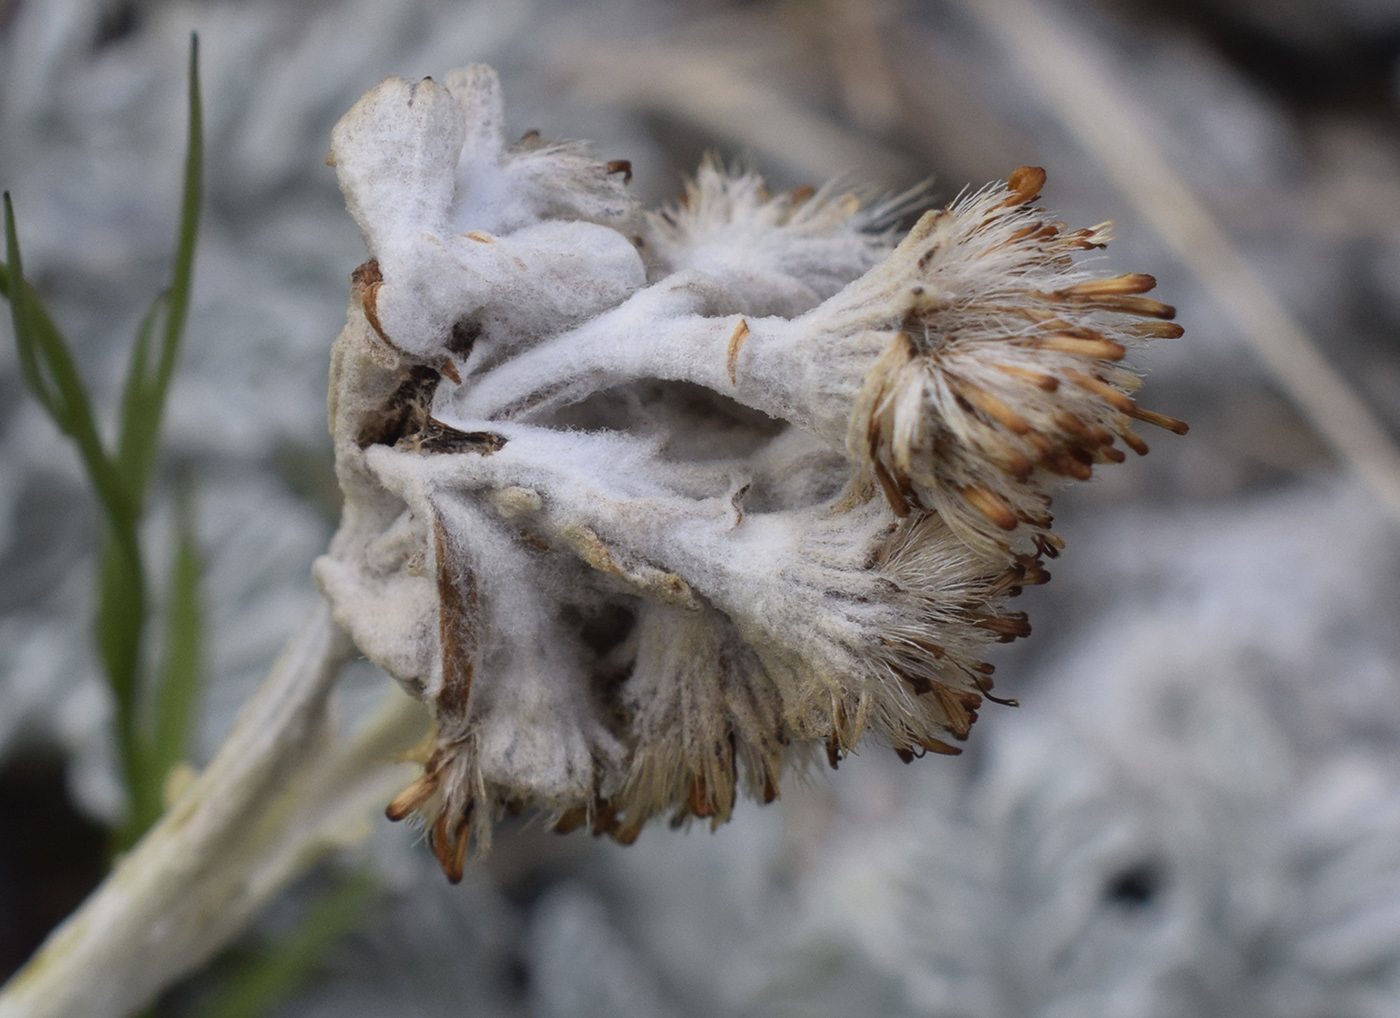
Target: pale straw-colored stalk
x=280, y=793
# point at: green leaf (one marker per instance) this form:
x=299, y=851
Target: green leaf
x=165, y=742
x=152, y=723
x=273, y=973
x=143, y=403
x=190, y=202
x=47, y=366
x=51, y=374
x=172, y=697
x=120, y=622
x=177, y=688
x=21, y=310
x=139, y=416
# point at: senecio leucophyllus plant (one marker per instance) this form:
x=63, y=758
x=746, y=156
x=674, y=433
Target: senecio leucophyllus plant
x=647, y=506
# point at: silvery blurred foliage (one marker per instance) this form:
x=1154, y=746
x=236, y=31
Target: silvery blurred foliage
x=1194, y=812
x=1198, y=819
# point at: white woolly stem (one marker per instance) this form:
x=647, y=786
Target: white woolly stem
x=660, y=331
x=279, y=793
x=637, y=512
x=786, y=369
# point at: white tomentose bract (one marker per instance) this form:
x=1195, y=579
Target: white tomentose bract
x=645, y=506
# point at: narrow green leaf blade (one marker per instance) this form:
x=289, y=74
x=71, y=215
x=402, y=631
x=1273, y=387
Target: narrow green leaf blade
x=22, y=314
x=52, y=374
x=190, y=203
x=57, y=384
x=146, y=392
x=182, y=661
x=143, y=405
x=120, y=623
x=140, y=413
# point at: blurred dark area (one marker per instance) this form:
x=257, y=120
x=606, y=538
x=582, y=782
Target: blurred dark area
x=50, y=855
x=1311, y=57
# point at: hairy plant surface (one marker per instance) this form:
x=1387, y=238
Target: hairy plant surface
x=647, y=506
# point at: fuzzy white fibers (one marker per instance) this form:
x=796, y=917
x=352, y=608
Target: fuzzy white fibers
x=606, y=520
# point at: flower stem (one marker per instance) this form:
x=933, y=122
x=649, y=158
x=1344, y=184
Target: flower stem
x=279, y=793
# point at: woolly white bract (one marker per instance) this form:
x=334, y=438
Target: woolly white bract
x=647, y=505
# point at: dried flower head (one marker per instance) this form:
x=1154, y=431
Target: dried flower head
x=648, y=506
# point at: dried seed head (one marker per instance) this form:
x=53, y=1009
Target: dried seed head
x=1001, y=372
x=623, y=592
